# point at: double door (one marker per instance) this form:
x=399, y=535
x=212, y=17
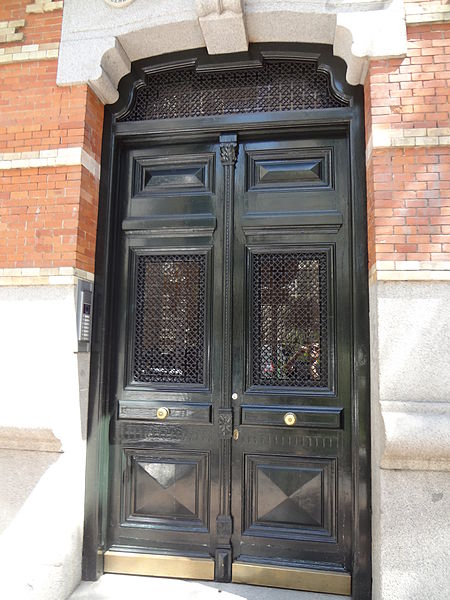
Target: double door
x=230, y=390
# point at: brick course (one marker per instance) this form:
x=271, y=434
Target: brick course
x=408, y=133
x=407, y=102
x=48, y=215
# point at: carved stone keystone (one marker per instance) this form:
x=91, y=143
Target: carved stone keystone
x=223, y=26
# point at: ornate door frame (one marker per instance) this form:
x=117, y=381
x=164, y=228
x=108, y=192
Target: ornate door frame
x=116, y=136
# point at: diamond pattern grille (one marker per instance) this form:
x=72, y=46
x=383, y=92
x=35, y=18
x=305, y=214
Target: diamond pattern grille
x=289, y=319
x=277, y=86
x=169, y=342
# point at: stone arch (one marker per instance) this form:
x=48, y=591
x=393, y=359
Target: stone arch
x=99, y=43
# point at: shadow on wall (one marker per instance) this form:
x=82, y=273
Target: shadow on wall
x=41, y=522
x=20, y=472
x=83, y=360
x=117, y=587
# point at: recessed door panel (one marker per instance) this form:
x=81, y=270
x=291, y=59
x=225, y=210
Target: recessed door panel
x=282, y=170
x=295, y=178
x=174, y=175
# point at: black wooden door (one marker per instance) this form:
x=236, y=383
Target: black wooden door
x=231, y=441
x=291, y=491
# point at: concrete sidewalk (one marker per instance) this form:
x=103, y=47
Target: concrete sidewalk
x=118, y=587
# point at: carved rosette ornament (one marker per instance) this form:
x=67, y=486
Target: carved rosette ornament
x=118, y=3
x=226, y=423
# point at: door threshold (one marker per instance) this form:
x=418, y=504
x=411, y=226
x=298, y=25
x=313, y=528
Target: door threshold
x=117, y=587
x=185, y=567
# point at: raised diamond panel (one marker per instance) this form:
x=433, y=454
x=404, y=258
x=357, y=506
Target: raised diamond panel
x=289, y=496
x=167, y=489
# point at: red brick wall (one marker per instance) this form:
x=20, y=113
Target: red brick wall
x=47, y=215
x=409, y=186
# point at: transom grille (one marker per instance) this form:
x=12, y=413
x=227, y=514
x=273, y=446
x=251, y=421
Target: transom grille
x=289, y=319
x=169, y=342
x=277, y=86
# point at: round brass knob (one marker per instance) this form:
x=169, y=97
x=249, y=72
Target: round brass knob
x=162, y=413
x=290, y=419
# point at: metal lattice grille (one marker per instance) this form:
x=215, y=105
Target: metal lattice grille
x=289, y=319
x=169, y=344
x=277, y=86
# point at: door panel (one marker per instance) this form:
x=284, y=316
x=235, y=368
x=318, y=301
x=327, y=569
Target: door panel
x=169, y=322
x=289, y=497
x=232, y=386
x=167, y=489
x=292, y=456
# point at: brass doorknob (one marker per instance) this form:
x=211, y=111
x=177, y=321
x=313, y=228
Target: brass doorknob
x=162, y=413
x=290, y=419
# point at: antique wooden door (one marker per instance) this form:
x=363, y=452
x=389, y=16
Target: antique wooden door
x=232, y=377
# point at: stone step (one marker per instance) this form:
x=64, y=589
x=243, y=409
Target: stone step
x=118, y=587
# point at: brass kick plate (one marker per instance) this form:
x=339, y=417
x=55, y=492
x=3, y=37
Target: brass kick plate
x=159, y=565
x=308, y=580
